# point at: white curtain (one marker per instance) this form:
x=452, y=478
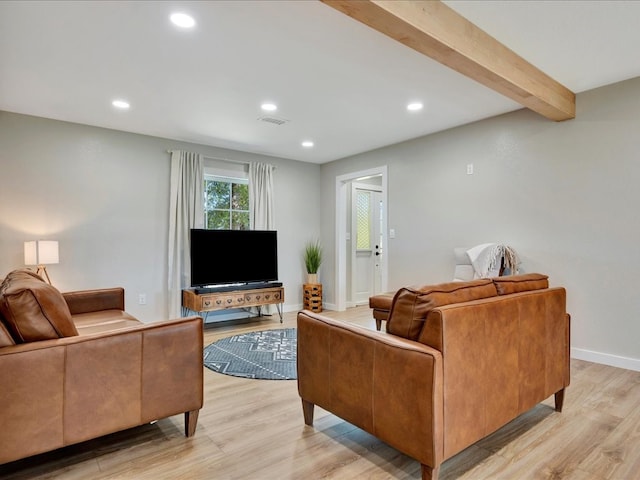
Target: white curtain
x=261, y=196
x=186, y=211
x=261, y=202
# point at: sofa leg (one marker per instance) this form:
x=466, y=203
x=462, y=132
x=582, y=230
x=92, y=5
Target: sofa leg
x=307, y=411
x=378, y=324
x=429, y=473
x=190, y=422
x=559, y=400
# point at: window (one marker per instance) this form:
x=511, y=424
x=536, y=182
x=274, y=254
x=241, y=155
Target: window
x=226, y=205
x=363, y=220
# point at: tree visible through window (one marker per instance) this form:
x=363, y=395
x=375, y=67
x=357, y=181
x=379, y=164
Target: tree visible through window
x=226, y=205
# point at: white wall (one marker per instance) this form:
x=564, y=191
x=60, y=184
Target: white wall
x=103, y=194
x=564, y=195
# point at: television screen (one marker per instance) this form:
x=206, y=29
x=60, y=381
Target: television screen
x=233, y=256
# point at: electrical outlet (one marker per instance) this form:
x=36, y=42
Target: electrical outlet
x=469, y=168
x=142, y=299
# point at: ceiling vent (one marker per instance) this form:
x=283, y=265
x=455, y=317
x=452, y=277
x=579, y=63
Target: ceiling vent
x=273, y=120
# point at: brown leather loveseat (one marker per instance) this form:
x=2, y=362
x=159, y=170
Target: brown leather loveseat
x=76, y=366
x=458, y=361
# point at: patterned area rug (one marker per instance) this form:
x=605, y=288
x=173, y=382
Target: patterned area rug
x=267, y=355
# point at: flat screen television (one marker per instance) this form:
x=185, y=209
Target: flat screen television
x=220, y=257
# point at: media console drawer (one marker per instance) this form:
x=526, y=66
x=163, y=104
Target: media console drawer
x=208, y=302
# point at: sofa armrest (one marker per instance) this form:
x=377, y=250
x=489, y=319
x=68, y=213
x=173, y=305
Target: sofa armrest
x=85, y=301
x=389, y=386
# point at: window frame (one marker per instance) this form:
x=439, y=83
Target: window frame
x=229, y=179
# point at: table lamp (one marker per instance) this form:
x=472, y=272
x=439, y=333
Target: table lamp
x=41, y=253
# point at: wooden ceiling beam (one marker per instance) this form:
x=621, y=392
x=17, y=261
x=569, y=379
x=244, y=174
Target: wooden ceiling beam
x=435, y=30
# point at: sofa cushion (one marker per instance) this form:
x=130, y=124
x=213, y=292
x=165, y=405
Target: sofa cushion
x=411, y=305
x=103, y=321
x=5, y=338
x=520, y=283
x=34, y=310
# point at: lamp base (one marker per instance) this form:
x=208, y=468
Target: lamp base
x=42, y=271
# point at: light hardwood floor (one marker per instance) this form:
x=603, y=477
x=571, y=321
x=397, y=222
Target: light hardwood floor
x=253, y=429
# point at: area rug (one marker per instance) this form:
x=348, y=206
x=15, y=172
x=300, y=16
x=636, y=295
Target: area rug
x=266, y=355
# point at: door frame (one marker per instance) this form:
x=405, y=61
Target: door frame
x=343, y=182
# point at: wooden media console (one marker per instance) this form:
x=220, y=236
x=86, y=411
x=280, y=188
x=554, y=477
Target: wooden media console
x=241, y=298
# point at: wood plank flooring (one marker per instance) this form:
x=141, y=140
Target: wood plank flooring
x=253, y=429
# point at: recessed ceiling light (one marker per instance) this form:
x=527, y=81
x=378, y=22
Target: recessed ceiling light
x=414, y=106
x=182, y=20
x=307, y=144
x=269, y=107
x=121, y=104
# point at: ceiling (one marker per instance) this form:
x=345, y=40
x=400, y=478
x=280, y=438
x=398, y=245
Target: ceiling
x=336, y=81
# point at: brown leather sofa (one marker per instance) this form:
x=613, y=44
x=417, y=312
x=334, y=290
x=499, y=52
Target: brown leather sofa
x=76, y=366
x=458, y=361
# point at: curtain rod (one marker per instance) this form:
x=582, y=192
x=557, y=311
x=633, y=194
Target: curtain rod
x=220, y=158
x=225, y=160
x=241, y=162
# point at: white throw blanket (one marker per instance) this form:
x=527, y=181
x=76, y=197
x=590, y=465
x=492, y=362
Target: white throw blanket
x=485, y=259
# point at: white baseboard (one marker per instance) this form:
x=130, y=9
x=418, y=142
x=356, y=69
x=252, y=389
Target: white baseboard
x=606, y=359
x=300, y=306
x=292, y=308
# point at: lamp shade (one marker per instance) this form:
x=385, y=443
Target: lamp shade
x=41, y=252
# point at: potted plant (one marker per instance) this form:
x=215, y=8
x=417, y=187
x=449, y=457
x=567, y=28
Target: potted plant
x=312, y=260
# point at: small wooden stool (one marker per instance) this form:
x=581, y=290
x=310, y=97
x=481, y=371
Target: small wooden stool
x=312, y=297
